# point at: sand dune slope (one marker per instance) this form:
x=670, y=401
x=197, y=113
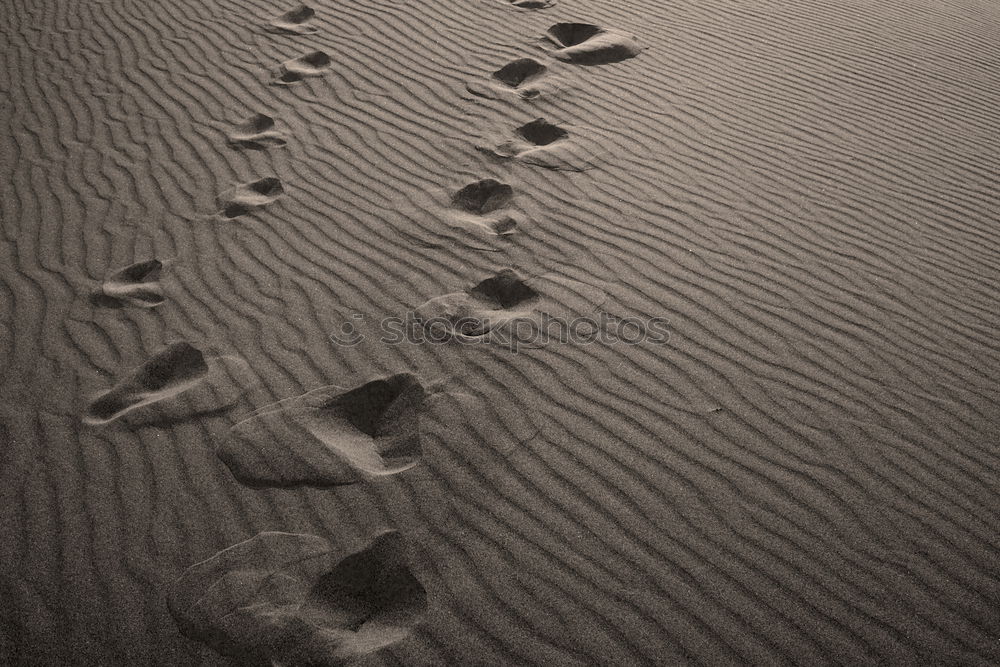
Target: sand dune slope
x=799, y=467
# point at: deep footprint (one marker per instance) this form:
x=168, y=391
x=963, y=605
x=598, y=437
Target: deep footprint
x=495, y=303
x=481, y=215
x=256, y=133
x=286, y=599
x=249, y=197
x=540, y=132
x=525, y=78
x=293, y=22
x=171, y=371
x=588, y=44
x=330, y=436
x=136, y=284
x=531, y=4
x=511, y=311
x=544, y=144
x=487, y=203
x=295, y=70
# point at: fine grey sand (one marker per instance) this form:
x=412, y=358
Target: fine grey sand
x=762, y=429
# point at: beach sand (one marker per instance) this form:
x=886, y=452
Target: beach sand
x=779, y=445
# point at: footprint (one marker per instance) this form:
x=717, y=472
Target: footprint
x=289, y=599
x=525, y=78
x=543, y=144
x=485, y=205
x=588, y=44
x=249, y=197
x=540, y=132
x=295, y=70
x=330, y=436
x=293, y=22
x=256, y=133
x=136, y=284
x=493, y=304
x=531, y=4
x=504, y=291
x=509, y=310
x=171, y=371
x=483, y=196
x=481, y=215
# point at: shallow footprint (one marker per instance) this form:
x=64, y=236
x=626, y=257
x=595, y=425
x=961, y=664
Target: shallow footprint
x=493, y=304
x=509, y=310
x=293, y=22
x=256, y=133
x=588, y=44
x=543, y=144
x=481, y=215
x=136, y=284
x=286, y=599
x=525, y=78
x=486, y=204
x=295, y=70
x=249, y=197
x=330, y=436
x=174, y=369
x=531, y=4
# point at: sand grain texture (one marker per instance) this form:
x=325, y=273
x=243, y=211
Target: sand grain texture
x=803, y=472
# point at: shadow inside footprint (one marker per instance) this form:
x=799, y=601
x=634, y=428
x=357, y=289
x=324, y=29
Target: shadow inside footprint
x=588, y=44
x=136, y=284
x=172, y=370
x=525, y=78
x=256, y=133
x=250, y=196
x=540, y=132
x=330, y=436
x=297, y=69
x=286, y=599
x=483, y=196
x=504, y=291
x=293, y=22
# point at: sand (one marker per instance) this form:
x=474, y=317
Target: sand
x=210, y=209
